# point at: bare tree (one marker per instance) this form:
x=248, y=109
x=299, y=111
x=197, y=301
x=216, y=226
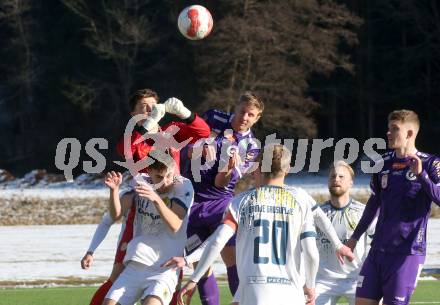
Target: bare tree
x=273, y=48
x=21, y=75
x=117, y=32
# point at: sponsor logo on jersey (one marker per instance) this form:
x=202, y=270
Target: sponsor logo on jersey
x=399, y=165
x=400, y=299
x=420, y=235
x=256, y=279
x=231, y=150
x=384, y=181
x=250, y=156
x=410, y=176
x=436, y=165
x=278, y=280
x=142, y=209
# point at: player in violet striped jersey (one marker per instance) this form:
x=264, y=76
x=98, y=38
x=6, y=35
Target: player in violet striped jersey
x=235, y=151
x=403, y=191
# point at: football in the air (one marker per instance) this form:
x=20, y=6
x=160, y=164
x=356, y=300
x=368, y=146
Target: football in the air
x=195, y=22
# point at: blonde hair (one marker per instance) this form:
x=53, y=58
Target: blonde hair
x=251, y=99
x=404, y=116
x=341, y=163
x=280, y=160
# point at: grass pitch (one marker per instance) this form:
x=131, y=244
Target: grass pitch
x=427, y=293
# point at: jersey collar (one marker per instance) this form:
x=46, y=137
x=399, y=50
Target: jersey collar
x=343, y=208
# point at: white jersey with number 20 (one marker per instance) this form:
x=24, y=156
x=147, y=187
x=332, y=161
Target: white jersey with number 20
x=271, y=223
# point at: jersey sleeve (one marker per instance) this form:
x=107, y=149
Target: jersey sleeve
x=321, y=221
x=183, y=195
x=219, y=239
x=430, y=180
x=195, y=130
x=208, y=116
x=372, y=227
x=100, y=232
x=326, y=226
x=308, y=225
x=370, y=211
x=136, y=151
x=311, y=261
x=374, y=184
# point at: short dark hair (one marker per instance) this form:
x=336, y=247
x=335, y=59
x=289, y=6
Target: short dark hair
x=161, y=162
x=139, y=95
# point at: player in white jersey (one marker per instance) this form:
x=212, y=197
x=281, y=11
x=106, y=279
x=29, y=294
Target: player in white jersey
x=335, y=279
x=159, y=231
x=274, y=225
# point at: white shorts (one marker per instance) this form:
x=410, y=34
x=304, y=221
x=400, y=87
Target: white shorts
x=137, y=282
x=257, y=294
x=236, y=298
x=329, y=291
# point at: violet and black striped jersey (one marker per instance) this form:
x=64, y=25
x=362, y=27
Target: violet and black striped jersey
x=226, y=140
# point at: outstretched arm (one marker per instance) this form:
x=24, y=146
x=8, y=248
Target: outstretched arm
x=99, y=235
x=369, y=214
x=100, y=232
x=311, y=254
x=367, y=217
x=117, y=206
x=311, y=259
x=212, y=251
x=324, y=224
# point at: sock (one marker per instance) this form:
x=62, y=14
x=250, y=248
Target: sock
x=232, y=279
x=179, y=284
x=100, y=294
x=208, y=290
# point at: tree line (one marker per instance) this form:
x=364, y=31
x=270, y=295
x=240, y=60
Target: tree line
x=324, y=68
